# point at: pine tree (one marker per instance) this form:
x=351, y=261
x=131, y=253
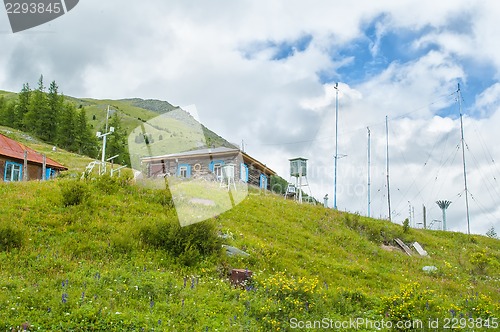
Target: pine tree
x=86, y=141
x=491, y=233
x=51, y=118
x=22, y=107
x=66, y=130
x=7, y=115
x=117, y=142
x=35, y=119
x=3, y=110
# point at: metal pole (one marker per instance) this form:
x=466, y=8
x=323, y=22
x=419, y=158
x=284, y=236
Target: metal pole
x=369, y=165
x=444, y=219
x=336, y=144
x=388, y=188
x=425, y=216
x=463, y=159
x=107, y=117
x=103, y=160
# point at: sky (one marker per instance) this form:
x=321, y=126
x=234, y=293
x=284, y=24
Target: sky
x=264, y=72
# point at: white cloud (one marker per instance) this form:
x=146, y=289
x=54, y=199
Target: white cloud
x=194, y=53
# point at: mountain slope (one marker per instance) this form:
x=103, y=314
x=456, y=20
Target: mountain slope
x=135, y=112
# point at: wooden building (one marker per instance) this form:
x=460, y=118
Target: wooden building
x=19, y=162
x=208, y=164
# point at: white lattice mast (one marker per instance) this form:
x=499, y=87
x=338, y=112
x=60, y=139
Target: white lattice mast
x=463, y=158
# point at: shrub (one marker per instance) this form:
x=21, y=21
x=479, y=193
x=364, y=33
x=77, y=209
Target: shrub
x=121, y=244
x=73, y=192
x=406, y=226
x=480, y=261
x=107, y=184
x=412, y=303
x=10, y=238
x=188, y=244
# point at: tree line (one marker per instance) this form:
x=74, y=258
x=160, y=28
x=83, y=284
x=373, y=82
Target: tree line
x=47, y=115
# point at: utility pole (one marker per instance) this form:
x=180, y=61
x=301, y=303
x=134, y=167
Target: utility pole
x=463, y=158
x=425, y=216
x=387, y=162
x=369, y=166
x=336, y=144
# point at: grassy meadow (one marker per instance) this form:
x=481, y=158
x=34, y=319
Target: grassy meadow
x=108, y=255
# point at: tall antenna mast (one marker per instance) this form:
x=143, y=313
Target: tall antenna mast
x=463, y=158
x=336, y=144
x=107, y=117
x=387, y=162
x=369, y=165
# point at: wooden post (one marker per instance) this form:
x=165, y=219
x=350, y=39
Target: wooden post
x=44, y=167
x=25, y=166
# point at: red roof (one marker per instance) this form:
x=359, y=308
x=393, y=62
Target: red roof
x=14, y=149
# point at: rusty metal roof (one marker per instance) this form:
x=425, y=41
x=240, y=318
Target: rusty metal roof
x=13, y=149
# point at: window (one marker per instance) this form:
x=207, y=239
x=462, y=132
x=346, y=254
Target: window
x=13, y=171
x=216, y=167
x=244, y=173
x=49, y=173
x=184, y=171
x=263, y=181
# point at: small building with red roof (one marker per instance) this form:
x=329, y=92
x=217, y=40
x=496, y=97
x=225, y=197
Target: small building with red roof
x=19, y=162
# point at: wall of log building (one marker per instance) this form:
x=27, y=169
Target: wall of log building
x=34, y=170
x=200, y=168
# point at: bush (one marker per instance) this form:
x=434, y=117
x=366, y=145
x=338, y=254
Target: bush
x=73, y=192
x=108, y=184
x=480, y=261
x=406, y=226
x=121, y=244
x=188, y=244
x=10, y=238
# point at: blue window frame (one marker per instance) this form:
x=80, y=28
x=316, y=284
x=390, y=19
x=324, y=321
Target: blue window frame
x=263, y=181
x=49, y=173
x=13, y=171
x=244, y=172
x=184, y=171
x=215, y=164
x=216, y=167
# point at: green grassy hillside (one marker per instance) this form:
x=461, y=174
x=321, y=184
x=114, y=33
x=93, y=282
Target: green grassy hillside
x=107, y=255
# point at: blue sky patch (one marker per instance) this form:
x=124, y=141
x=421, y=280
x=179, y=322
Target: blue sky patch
x=280, y=49
x=371, y=54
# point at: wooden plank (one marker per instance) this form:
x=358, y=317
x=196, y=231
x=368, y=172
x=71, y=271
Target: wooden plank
x=419, y=249
x=403, y=246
